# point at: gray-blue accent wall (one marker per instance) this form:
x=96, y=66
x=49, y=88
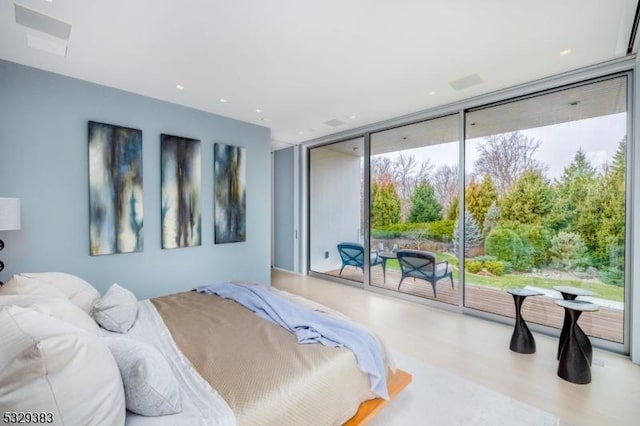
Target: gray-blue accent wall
x=44, y=162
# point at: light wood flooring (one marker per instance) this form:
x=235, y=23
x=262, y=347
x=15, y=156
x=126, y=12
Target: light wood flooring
x=478, y=350
x=606, y=323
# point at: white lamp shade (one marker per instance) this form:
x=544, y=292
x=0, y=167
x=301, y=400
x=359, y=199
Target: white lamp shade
x=9, y=214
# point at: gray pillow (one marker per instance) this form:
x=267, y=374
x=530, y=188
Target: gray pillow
x=150, y=388
x=117, y=310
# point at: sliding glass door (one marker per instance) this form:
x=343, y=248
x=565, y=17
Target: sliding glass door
x=545, y=203
x=414, y=187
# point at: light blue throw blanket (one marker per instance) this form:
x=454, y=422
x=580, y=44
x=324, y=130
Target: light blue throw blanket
x=310, y=327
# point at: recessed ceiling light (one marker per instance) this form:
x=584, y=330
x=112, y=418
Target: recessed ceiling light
x=258, y=110
x=179, y=87
x=223, y=100
x=431, y=93
x=49, y=1
x=353, y=117
x=265, y=119
x=301, y=132
x=565, y=52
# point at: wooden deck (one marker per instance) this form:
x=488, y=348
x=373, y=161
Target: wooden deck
x=606, y=323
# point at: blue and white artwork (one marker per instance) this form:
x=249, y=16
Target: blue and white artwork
x=181, y=186
x=115, y=189
x=229, y=169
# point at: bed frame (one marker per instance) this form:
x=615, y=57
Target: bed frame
x=395, y=384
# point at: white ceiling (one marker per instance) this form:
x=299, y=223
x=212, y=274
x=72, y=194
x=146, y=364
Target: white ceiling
x=304, y=63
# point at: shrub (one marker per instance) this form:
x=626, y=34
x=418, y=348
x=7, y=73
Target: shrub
x=496, y=267
x=613, y=276
x=473, y=266
x=567, y=248
x=382, y=234
x=506, y=245
x=485, y=258
x=442, y=230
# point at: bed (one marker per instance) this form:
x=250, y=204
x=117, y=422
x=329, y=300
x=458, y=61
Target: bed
x=220, y=363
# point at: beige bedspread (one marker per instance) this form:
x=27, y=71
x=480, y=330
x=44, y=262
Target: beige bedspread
x=260, y=370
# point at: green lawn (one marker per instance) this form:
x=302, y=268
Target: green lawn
x=605, y=291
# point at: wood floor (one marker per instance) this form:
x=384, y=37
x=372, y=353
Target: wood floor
x=606, y=323
x=478, y=350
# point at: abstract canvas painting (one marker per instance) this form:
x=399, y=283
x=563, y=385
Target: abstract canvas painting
x=115, y=189
x=229, y=169
x=181, y=185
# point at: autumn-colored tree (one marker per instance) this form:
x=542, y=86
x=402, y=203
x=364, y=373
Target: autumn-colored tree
x=479, y=197
x=452, y=213
x=385, y=204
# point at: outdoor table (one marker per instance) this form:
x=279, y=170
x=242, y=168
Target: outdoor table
x=386, y=255
x=522, y=340
x=574, y=364
x=570, y=293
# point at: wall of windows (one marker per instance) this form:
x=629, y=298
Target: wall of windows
x=545, y=203
x=535, y=195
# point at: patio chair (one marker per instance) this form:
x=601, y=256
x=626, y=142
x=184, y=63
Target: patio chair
x=352, y=254
x=423, y=265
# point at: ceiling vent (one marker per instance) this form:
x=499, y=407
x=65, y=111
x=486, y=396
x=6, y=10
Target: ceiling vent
x=334, y=123
x=50, y=35
x=466, y=82
x=41, y=22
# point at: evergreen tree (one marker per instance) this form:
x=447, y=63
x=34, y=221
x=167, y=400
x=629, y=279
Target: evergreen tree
x=530, y=199
x=610, y=234
x=424, y=205
x=472, y=234
x=574, y=187
x=385, y=204
x=491, y=218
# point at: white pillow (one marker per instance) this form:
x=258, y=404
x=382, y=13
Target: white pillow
x=80, y=292
x=55, y=307
x=47, y=365
x=117, y=310
x=150, y=388
x=18, y=284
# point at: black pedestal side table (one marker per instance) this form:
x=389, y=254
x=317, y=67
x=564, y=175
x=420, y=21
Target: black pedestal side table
x=574, y=365
x=522, y=340
x=570, y=293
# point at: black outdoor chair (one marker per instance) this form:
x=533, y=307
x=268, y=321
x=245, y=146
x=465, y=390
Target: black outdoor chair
x=352, y=254
x=423, y=265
